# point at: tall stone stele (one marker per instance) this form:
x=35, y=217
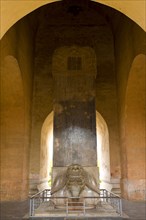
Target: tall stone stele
x=74, y=72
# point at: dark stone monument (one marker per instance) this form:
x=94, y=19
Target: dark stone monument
x=74, y=72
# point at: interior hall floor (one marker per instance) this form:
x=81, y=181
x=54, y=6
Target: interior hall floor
x=17, y=211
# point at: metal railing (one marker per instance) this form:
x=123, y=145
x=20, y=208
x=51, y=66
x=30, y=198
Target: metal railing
x=114, y=200
x=37, y=199
x=104, y=197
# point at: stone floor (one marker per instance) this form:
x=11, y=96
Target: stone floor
x=135, y=210
x=13, y=210
x=16, y=211
x=102, y=210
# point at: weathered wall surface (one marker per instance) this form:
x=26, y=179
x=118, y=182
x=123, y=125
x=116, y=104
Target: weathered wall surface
x=135, y=133
x=74, y=71
x=20, y=9
x=131, y=105
x=13, y=133
x=46, y=150
x=16, y=85
x=103, y=151
x=116, y=42
x=65, y=30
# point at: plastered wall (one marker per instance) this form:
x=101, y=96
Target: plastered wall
x=131, y=74
x=16, y=85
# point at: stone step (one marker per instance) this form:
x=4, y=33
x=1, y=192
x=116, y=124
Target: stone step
x=117, y=192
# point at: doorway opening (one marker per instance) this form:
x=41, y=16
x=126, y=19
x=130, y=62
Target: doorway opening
x=103, y=153
x=46, y=154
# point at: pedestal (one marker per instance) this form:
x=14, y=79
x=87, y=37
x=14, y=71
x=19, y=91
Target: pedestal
x=60, y=183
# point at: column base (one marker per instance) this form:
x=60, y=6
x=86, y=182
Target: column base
x=133, y=189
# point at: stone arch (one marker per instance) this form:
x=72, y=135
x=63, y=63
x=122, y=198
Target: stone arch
x=46, y=151
x=103, y=153
x=102, y=150
x=134, y=144
x=13, y=134
x=20, y=9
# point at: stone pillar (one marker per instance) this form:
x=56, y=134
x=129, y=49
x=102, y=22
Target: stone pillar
x=74, y=72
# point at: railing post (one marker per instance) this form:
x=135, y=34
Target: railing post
x=67, y=207
x=106, y=195
x=110, y=199
x=120, y=204
x=84, y=206
x=30, y=207
x=46, y=195
x=42, y=197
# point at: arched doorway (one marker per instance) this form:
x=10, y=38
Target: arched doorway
x=46, y=152
x=134, y=136
x=14, y=141
x=19, y=41
x=103, y=153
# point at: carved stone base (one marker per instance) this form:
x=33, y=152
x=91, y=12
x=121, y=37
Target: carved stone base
x=69, y=182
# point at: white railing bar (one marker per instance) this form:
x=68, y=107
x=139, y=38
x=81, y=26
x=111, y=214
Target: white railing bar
x=39, y=193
